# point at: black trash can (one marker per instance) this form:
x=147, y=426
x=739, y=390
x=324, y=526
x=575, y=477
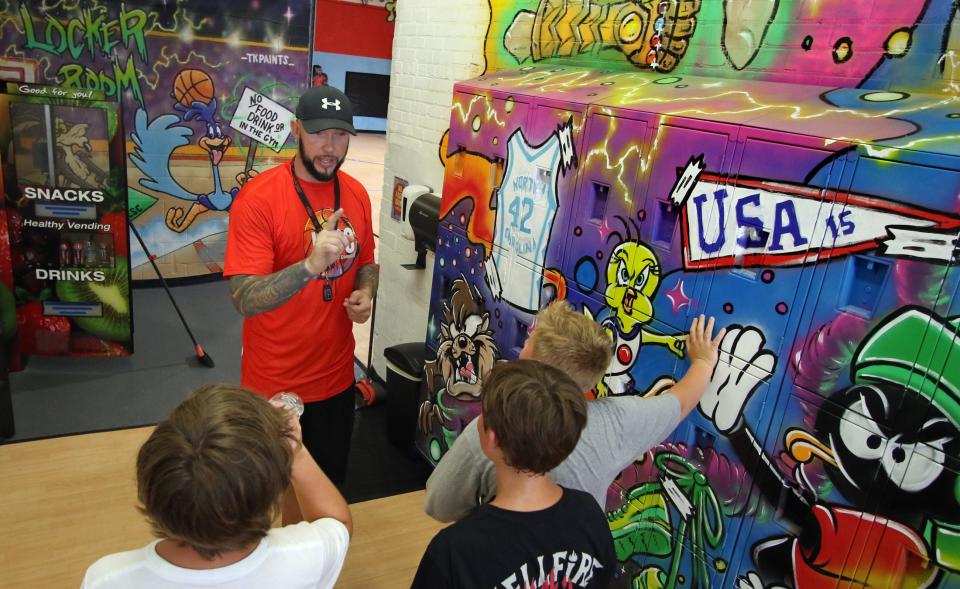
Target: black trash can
x=404, y=374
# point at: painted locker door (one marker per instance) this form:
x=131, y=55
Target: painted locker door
x=481, y=121
x=646, y=297
x=476, y=152
x=929, y=468
x=630, y=268
x=468, y=331
x=692, y=492
x=463, y=342
x=756, y=233
x=863, y=491
x=763, y=225
x=752, y=241
x=905, y=365
x=873, y=336
x=510, y=322
x=640, y=297
x=534, y=203
x=609, y=194
x=638, y=507
x=475, y=156
x=790, y=207
x=891, y=243
x=918, y=457
x=700, y=443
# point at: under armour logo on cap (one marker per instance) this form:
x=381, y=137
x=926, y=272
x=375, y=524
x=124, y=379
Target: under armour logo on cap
x=324, y=107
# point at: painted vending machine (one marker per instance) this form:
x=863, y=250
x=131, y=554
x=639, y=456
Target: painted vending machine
x=64, y=265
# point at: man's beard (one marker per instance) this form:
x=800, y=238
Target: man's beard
x=312, y=169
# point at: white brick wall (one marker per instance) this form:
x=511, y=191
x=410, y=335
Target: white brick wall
x=435, y=44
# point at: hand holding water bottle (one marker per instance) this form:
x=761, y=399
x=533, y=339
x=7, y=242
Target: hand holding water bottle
x=290, y=401
x=293, y=405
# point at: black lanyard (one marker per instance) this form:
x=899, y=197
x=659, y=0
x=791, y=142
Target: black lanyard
x=317, y=226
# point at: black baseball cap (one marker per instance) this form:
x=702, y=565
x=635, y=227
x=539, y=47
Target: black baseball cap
x=325, y=107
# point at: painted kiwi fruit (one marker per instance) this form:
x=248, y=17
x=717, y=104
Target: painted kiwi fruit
x=114, y=296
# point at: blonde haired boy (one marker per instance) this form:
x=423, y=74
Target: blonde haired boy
x=571, y=341
x=618, y=431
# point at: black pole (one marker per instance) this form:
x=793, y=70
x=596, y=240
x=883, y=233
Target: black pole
x=202, y=356
x=373, y=320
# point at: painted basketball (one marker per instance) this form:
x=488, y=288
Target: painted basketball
x=192, y=86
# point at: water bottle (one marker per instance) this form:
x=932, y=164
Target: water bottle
x=291, y=401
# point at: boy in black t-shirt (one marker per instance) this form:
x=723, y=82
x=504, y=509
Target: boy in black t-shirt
x=534, y=533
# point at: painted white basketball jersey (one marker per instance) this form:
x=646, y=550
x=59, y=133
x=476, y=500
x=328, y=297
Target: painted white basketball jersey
x=526, y=207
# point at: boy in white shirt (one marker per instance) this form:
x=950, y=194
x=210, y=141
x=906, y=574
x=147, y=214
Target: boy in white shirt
x=210, y=479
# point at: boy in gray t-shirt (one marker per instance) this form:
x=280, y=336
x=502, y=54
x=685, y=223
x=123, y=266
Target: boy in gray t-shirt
x=618, y=430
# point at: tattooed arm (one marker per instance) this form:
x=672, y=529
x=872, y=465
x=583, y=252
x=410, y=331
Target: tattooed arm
x=257, y=294
x=359, y=304
x=368, y=279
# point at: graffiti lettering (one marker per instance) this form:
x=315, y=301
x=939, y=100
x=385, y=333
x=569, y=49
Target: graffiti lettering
x=698, y=201
x=750, y=234
x=846, y=226
x=266, y=59
x=785, y=221
x=519, y=244
x=520, y=218
x=96, y=36
x=83, y=78
x=262, y=119
x=87, y=33
x=529, y=185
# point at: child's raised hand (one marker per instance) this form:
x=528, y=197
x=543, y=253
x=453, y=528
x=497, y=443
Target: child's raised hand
x=701, y=345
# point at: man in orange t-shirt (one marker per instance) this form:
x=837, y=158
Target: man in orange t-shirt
x=301, y=287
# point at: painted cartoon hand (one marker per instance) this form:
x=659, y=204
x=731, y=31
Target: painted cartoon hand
x=657, y=35
x=742, y=365
x=429, y=414
x=652, y=34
